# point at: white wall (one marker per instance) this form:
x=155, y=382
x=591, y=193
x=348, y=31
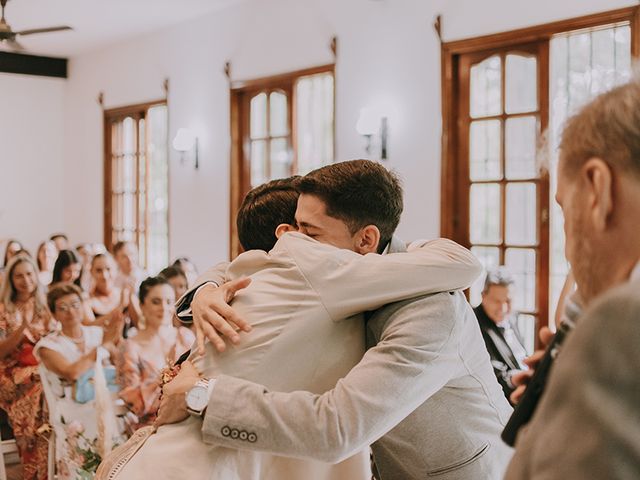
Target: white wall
x=388, y=59
x=31, y=158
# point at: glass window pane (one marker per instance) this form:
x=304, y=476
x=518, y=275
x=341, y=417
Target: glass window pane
x=128, y=136
x=486, y=79
x=522, y=264
x=527, y=327
x=280, y=159
x=158, y=209
x=314, y=121
x=258, y=162
x=484, y=150
x=522, y=223
x=485, y=213
x=581, y=65
x=489, y=258
x=258, y=116
x=278, y=114
x=521, y=84
x=520, y=147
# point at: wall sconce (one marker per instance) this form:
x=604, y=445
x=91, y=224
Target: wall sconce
x=184, y=142
x=374, y=127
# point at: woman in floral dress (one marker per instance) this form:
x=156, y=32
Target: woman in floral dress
x=24, y=320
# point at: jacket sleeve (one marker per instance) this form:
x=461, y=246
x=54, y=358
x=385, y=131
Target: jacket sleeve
x=348, y=283
x=586, y=425
x=393, y=378
x=215, y=274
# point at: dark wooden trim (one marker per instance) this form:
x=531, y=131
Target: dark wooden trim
x=234, y=171
x=274, y=80
x=33, y=65
x=127, y=110
x=542, y=32
x=543, y=258
x=635, y=33
x=107, y=184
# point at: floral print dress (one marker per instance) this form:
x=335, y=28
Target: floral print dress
x=21, y=390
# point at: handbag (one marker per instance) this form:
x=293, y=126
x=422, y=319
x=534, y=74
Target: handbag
x=84, y=390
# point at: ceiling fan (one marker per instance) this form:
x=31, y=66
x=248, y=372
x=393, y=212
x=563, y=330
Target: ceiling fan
x=8, y=36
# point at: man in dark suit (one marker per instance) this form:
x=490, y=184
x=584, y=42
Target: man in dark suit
x=499, y=331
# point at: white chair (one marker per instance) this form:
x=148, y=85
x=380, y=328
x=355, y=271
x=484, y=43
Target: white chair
x=53, y=421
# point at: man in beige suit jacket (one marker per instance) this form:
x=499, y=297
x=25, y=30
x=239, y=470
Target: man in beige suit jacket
x=301, y=293
x=588, y=422
x=425, y=386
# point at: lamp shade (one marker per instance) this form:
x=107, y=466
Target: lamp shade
x=368, y=122
x=184, y=140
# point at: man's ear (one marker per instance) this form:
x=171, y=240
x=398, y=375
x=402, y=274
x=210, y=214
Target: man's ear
x=284, y=228
x=367, y=240
x=599, y=180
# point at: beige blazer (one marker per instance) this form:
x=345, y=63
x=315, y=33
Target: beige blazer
x=301, y=293
x=587, y=425
x=424, y=395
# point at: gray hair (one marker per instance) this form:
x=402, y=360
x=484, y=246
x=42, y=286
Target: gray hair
x=498, y=276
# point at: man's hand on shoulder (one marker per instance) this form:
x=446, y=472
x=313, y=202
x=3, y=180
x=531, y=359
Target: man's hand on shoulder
x=213, y=318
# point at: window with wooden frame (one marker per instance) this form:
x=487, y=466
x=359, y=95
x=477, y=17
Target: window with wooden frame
x=504, y=96
x=280, y=126
x=136, y=181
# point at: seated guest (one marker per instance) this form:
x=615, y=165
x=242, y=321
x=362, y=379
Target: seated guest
x=13, y=247
x=189, y=269
x=499, y=330
x=24, y=320
x=176, y=278
x=69, y=357
x=68, y=269
x=46, y=258
x=60, y=240
x=85, y=253
x=129, y=272
x=106, y=298
x=155, y=347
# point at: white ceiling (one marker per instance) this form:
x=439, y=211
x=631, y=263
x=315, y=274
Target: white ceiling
x=97, y=23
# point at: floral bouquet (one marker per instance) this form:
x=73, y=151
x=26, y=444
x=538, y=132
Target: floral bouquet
x=82, y=453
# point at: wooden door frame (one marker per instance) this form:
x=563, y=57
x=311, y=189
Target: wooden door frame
x=454, y=204
x=239, y=127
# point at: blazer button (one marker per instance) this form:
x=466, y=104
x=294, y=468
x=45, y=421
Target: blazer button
x=234, y=433
x=243, y=435
x=252, y=437
x=225, y=431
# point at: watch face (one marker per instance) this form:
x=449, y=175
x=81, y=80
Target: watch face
x=198, y=398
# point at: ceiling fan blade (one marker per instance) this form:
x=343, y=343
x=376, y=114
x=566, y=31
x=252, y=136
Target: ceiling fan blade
x=14, y=45
x=44, y=30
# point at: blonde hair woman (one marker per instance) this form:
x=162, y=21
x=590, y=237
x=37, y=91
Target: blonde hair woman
x=24, y=320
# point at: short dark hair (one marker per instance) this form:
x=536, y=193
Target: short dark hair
x=360, y=193
x=120, y=245
x=172, y=271
x=148, y=283
x=58, y=235
x=59, y=290
x=263, y=209
x=65, y=258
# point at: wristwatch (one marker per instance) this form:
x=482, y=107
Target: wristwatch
x=197, y=398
